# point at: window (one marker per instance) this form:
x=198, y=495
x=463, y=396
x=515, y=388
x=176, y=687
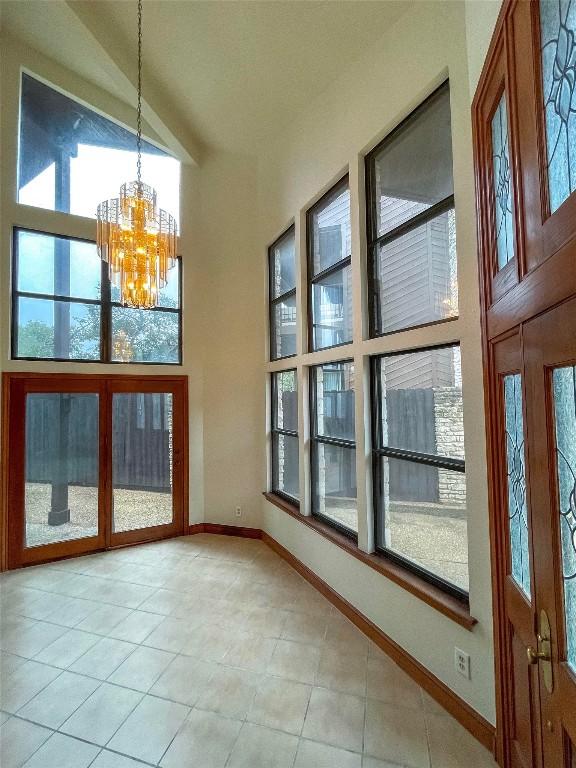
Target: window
x=419, y=479
x=329, y=268
x=282, y=277
x=63, y=307
x=71, y=158
x=333, y=446
x=285, y=476
x=411, y=223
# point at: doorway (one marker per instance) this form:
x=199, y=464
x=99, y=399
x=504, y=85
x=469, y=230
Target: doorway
x=94, y=462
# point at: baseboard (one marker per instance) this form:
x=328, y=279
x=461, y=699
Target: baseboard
x=478, y=726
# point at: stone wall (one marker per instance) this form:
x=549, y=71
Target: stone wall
x=450, y=442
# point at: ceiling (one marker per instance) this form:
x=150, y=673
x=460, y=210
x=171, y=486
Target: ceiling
x=234, y=71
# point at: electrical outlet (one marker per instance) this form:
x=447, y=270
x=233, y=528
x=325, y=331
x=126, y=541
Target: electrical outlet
x=238, y=511
x=462, y=663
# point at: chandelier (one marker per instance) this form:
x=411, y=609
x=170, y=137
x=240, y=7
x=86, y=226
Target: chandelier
x=137, y=239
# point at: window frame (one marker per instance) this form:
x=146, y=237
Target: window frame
x=374, y=241
x=274, y=300
x=312, y=278
x=379, y=450
x=275, y=430
x=105, y=303
x=315, y=438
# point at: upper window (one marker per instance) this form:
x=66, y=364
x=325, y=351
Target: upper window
x=285, y=477
x=71, y=158
x=282, y=289
x=419, y=481
x=411, y=223
x=333, y=444
x=329, y=268
x=64, y=308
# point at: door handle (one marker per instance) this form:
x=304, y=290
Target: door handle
x=535, y=656
x=543, y=652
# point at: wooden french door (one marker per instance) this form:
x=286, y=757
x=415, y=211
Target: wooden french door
x=93, y=462
x=525, y=160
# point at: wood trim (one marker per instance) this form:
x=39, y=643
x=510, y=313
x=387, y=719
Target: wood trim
x=225, y=530
x=480, y=728
x=433, y=596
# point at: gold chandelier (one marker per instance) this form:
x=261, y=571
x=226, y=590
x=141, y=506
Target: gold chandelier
x=138, y=240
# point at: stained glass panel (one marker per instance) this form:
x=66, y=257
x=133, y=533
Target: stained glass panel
x=504, y=204
x=557, y=29
x=517, y=507
x=565, y=417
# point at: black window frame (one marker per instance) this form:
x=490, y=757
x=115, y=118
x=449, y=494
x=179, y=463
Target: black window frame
x=274, y=300
x=276, y=430
x=105, y=303
x=338, y=266
x=374, y=241
x=316, y=438
x=379, y=450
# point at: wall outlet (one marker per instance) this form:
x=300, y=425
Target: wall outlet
x=462, y=663
x=238, y=511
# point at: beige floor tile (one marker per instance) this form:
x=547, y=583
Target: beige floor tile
x=136, y=627
x=9, y=663
x=170, y=635
x=149, y=730
x=98, y=719
x=396, y=734
x=342, y=672
x=76, y=585
x=163, y=601
x=431, y=705
x=29, y=637
x=119, y=593
x=107, y=759
x=385, y=681
x=205, y=739
x=304, y=628
x=343, y=635
x=71, y=614
x=209, y=642
x=60, y=699
x=63, y=752
x=265, y=622
x=19, y=740
x=67, y=649
x=335, y=718
x=104, y=619
x=280, y=704
x=259, y=747
x=230, y=693
x=46, y=605
x=252, y=653
x=25, y=683
x=294, y=661
x=372, y=762
x=313, y=755
x=103, y=658
x=451, y=746
x=142, y=668
x=184, y=680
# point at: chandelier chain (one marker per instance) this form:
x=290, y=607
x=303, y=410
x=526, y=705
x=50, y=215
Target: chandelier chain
x=139, y=113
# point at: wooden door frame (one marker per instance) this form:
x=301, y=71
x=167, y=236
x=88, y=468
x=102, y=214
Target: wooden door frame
x=53, y=380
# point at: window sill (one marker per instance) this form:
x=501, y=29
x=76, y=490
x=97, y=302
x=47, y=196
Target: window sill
x=449, y=606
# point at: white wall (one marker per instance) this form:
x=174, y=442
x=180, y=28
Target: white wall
x=481, y=18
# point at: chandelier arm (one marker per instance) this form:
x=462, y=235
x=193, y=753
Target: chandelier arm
x=139, y=111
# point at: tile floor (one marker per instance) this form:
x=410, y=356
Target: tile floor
x=202, y=651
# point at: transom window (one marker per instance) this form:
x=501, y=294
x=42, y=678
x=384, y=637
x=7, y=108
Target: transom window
x=282, y=290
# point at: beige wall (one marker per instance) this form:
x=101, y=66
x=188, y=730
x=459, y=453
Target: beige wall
x=481, y=18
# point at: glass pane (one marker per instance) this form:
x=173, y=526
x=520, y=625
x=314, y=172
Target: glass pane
x=285, y=407
x=422, y=517
x=168, y=297
x=565, y=415
x=335, y=400
x=141, y=460
x=334, y=484
x=61, y=477
x=62, y=329
x=332, y=309
x=558, y=27
x=422, y=402
x=503, y=200
x=416, y=279
x=413, y=170
x=71, y=158
x=285, y=468
x=57, y=266
x=283, y=331
x=517, y=507
x=331, y=234
x=283, y=265
x=144, y=335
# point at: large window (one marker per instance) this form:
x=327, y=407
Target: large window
x=419, y=482
x=333, y=445
x=411, y=224
x=282, y=290
x=71, y=158
x=285, y=476
x=64, y=308
x=329, y=269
